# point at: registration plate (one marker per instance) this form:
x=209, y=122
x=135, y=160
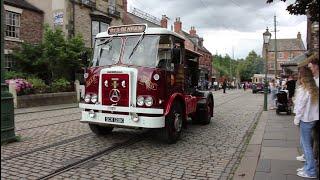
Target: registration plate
x=115, y=120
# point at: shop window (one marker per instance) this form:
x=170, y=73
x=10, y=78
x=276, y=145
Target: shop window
x=12, y=21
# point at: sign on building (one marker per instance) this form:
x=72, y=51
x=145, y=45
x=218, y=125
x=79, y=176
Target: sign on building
x=58, y=18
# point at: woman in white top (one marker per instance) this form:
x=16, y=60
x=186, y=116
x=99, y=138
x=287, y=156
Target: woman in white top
x=307, y=112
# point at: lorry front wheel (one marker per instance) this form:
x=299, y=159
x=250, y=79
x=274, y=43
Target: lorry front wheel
x=100, y=130
x=173, y=124
x=205, y=116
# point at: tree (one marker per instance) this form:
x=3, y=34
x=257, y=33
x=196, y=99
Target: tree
x=55, y=58
x=253, y=64
x=303, y=7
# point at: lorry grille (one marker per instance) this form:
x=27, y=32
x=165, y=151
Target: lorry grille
x=115, y=89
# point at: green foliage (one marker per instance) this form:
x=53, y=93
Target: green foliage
x=38, y=85
x=14, y=75
x=60, y=85
x=253, y=64
x=55, y=58
x=225, y=66
x=302, y=7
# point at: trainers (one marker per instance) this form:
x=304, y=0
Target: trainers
x=304, y=175
x=300, y=169
x=301, y=158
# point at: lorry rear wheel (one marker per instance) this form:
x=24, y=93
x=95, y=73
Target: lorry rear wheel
x=205, y=116
x=100, y=130
x=173, y=124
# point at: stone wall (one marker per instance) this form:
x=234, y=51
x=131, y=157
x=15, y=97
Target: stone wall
x=46, y=99
x=83, y=23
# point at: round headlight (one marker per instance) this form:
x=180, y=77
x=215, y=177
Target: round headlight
x=94, y=98
x=87, y=98
x=140, y=101
x=148, y=101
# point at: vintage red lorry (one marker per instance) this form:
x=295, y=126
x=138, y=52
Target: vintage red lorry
x=145, y=78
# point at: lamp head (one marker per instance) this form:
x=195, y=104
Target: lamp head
x=266, y=36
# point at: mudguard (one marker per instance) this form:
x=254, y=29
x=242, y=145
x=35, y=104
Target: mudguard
x=172, y=98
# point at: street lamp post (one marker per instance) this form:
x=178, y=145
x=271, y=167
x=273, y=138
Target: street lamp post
x=266, y=40
x=7, y=116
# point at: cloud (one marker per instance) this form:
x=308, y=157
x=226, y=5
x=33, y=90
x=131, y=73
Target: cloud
x=227, y=23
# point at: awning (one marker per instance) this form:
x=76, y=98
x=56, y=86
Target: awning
x=193, y=52
x=295, y=61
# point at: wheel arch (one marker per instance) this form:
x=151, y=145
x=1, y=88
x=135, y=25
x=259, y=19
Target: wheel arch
x=176, y=97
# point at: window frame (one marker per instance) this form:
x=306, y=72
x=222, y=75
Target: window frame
x=15, y=24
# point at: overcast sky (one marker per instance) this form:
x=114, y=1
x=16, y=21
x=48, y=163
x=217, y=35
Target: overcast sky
x=228, y=24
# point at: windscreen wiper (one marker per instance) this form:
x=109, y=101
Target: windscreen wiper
x=135, y=47
x=106, y=41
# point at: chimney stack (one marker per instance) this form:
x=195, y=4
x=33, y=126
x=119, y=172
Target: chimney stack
x=193, y=31
x=177, y=25
x=164, y=21
x=299, y=35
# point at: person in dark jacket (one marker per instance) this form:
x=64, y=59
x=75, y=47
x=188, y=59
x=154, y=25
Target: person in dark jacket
x=224, y=86
x=291, y=86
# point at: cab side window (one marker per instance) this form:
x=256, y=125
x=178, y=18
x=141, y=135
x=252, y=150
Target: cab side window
x=164, y=53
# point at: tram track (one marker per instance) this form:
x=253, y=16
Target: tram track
x=94, y=156
x=35, y=119
x=45, y=110
x=18, y=130
x=66, y=141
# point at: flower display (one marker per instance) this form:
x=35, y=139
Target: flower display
x=21, y=85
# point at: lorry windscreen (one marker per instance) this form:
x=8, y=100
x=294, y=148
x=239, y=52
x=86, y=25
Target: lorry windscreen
x=146, y=52
x=106, y=51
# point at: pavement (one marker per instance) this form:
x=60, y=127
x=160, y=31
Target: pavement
x=272, y=150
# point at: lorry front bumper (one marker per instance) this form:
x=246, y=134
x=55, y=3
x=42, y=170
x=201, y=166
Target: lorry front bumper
x=130, y=120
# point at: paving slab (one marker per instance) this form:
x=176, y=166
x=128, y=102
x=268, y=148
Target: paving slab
x=247, y=168
x=280, y=143
x=264, y=165
x=279, y=153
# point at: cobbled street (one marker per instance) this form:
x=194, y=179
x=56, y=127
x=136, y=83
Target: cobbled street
x=53, y=141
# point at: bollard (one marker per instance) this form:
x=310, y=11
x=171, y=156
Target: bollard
x=77, y=87
x=12, y=90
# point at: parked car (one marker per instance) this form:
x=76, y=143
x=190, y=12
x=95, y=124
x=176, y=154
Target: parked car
x=257, y=88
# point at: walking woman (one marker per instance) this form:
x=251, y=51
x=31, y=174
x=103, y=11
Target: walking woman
x=273, y=91
x=307, y=112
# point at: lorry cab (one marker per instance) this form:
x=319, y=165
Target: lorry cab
x=142, y=77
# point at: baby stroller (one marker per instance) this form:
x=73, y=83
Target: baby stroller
x=282, y=102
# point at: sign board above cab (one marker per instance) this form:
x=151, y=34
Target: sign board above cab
x=134, y=28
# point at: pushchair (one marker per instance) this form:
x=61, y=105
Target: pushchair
x=283, y=103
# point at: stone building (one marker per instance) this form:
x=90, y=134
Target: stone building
x=287, y=49
x=84, y=17
x=23, y=23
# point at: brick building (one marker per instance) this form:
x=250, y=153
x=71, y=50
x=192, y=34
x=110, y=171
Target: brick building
x=84, y=17
x=195, y=43
x=287, y=49
x=23, y=23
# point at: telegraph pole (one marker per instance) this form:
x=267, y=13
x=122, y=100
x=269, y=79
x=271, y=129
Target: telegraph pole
x=275, y=47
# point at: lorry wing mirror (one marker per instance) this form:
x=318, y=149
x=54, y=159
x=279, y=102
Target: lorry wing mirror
x=176, y=55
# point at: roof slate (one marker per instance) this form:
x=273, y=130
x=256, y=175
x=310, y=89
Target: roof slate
x=22, y=4
x=286, y=45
